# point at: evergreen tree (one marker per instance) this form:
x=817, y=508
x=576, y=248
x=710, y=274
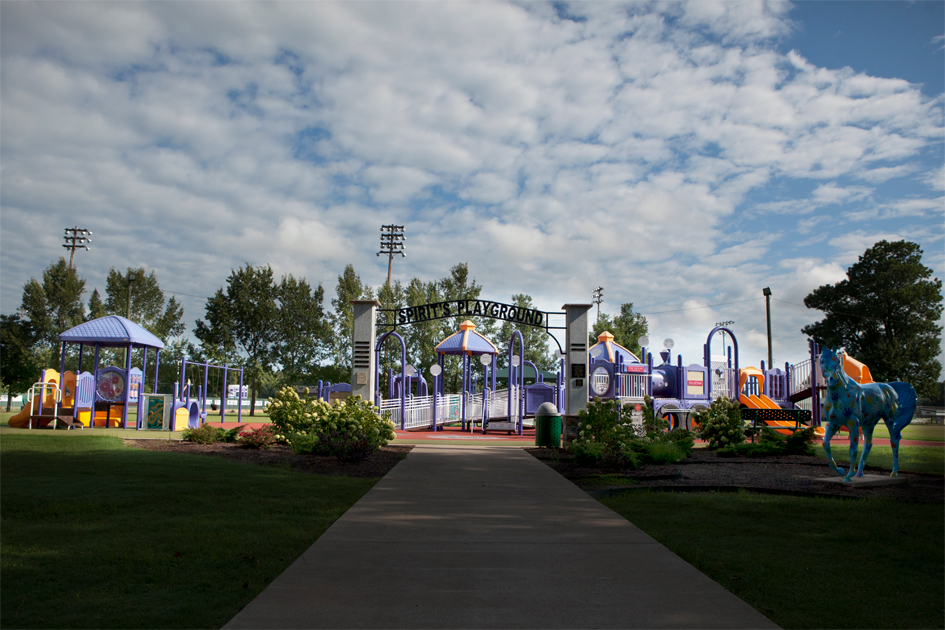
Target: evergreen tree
x=886, y=315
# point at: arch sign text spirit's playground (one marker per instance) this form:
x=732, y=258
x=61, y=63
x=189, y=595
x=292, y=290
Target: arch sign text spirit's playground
x=471, y=308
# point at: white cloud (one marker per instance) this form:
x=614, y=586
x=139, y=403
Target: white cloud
x=664, y=150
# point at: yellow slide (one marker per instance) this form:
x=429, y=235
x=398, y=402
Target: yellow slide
x=22, y=419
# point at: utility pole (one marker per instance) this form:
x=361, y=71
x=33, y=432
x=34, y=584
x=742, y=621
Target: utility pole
x=598, y=298
x=392, y=242
x=725, y=323
x=76, y=238
x=767, y=293
x=132, y=276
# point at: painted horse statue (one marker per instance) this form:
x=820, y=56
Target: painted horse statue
x=856, y=407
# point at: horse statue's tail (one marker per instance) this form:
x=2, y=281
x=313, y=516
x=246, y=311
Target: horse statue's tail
x=907, y=402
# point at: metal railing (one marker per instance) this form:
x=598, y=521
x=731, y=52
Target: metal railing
x=632, y=386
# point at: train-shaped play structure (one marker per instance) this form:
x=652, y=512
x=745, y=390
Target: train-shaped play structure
x=781, y=398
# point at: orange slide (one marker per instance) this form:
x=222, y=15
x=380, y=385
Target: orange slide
x=763, y=402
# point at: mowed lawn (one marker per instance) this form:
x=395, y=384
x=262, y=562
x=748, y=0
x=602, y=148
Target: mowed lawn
x=803, y=562
x=94, y=534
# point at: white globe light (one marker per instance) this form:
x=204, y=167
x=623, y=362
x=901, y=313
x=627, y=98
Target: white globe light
x=435, y=369
x=516, y=361
x=485, y=359
x=644, y=341
x=668, y=343
x=409, y=370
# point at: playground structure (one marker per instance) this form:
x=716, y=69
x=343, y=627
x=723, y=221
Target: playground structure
x=102, y=397
x=780, y=398
x=186, y=411
x=492, y=408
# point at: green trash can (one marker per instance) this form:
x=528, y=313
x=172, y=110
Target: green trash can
x=548, y=426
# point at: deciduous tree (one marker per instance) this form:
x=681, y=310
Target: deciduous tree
x=18, y=366
x=886, y=315
x=627, y=328
x=54, y=306
x=244, y=317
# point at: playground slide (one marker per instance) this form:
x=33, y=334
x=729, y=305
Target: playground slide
x=21, y=420
x=763, y=402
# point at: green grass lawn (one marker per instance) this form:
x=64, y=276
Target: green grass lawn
x=807, y=563
x=926, y=432
x=95, y=534
x=928, y=459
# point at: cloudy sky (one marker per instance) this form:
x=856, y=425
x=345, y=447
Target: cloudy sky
x=682, y=156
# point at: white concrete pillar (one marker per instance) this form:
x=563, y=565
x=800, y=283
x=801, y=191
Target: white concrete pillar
x=575, y=368
x=364, y=338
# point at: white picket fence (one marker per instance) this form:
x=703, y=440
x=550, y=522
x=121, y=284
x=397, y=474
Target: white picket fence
x=418, y=410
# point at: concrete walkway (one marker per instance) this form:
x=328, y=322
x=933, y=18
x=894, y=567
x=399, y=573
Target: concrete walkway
x=481, y=537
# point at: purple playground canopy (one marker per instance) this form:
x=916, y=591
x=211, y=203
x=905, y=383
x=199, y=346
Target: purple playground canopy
x=111, y=331
x=466, y=341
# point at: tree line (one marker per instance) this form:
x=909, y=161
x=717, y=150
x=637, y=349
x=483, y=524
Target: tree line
x=885, y=313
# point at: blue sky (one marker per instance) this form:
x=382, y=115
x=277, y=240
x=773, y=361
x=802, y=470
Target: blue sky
x=681, y=155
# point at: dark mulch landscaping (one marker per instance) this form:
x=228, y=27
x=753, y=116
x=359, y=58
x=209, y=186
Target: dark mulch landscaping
x=376, y=465
x=703, y=470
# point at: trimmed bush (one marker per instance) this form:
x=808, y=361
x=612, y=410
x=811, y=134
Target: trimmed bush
x=204, y=434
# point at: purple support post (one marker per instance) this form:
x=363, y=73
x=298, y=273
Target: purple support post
x=144, y=376
x=206, y=375
x=79, y=369
x=462, y=423
x=239, y=415
x=124, y=409
x=157, y=363
x=223, y=395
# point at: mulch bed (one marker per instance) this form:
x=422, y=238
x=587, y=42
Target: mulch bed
x=704, y=471
x=376, y=465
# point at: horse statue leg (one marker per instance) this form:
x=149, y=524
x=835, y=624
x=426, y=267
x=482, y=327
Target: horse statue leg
x=829, y=433
x=894, y=437
x=867, y=447
x=854, y=445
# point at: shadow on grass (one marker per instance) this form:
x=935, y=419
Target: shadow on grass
x=95, y=534
x=807, y=563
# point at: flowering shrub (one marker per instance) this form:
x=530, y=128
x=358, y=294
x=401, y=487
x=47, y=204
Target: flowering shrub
x=293, y=415
x=604, y=435
x=721, y=424
x=607, y=436
x=262, y=438
x=350, y=430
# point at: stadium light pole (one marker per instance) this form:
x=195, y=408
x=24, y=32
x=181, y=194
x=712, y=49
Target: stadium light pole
x=76, y=238
x=392, y=242
x=767, y=293
x=598, y=298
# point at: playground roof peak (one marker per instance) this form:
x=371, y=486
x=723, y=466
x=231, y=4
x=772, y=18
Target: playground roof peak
x=607, y=350
x=111, y=331
x=466, y=341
